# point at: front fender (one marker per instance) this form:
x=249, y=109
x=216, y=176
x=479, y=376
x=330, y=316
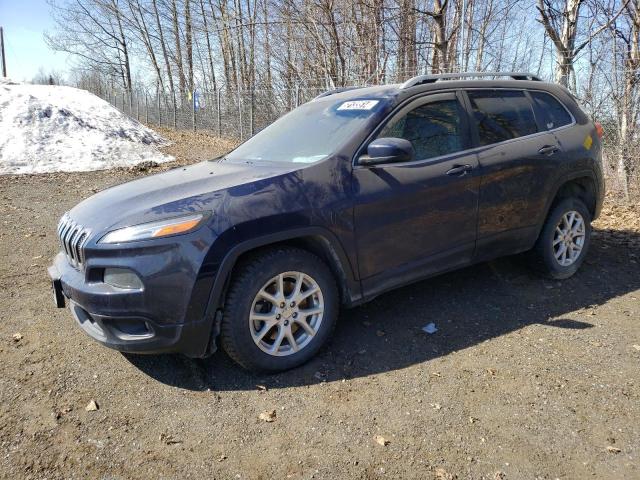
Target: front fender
x=228, y=261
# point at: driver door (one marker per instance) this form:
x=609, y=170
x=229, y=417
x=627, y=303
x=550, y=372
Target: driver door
x=417, y=218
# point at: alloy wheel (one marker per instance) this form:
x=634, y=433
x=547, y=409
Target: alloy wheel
x=286, y=313
x=569, y=237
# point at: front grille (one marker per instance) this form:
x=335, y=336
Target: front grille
x=73, y=238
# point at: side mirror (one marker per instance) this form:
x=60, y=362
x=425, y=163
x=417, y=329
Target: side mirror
x=388, y=150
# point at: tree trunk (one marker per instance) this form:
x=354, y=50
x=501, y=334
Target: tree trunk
x=178, y=48
x=189, y=44
x=565, y=39
x=212, y=72
x=141, y=24
x=440, y=60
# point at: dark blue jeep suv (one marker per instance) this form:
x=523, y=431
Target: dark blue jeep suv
x=357, y=192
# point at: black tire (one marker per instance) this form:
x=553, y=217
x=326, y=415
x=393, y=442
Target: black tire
x=248, y=279
x=542, y=256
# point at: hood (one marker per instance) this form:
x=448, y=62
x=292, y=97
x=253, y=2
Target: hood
x=179, y=191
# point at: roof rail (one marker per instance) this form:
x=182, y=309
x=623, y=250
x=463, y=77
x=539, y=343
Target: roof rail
x=422, y=79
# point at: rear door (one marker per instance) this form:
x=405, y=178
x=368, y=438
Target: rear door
x=419, y=217
x=517, y=156
x=554, y=117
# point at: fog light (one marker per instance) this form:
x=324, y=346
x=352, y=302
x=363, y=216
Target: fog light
x=122, y=278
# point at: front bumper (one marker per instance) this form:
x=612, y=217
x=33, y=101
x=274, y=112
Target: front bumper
x=118, y=319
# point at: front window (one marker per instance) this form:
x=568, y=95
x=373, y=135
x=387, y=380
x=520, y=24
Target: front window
x=309, y=133
x=434, y=129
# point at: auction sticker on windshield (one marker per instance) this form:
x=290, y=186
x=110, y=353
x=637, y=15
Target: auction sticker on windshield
x=358, y=105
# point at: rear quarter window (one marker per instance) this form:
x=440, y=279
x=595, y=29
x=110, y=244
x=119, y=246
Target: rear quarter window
x=501, y=115
x=553, y=113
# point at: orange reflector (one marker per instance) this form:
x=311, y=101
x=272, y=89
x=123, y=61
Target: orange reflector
x=599, y=130
x=177, y=228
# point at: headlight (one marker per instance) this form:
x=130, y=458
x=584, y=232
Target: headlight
x=162, y=228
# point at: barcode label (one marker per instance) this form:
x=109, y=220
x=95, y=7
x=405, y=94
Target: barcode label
x=358, y=105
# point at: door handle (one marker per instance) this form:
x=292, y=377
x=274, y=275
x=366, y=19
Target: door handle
x=548, y=150
x=459, y=170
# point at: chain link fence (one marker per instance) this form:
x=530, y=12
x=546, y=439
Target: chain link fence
x=230, y=114
x=240, y=114
x=623, y=182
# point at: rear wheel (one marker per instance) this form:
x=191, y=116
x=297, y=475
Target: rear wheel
x=281, y=308
x=563, y=241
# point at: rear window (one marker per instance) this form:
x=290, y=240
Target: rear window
x=554, y=115
x=501, y=115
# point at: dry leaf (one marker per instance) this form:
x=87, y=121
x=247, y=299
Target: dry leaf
x=436, y=406
x=268, y=416
x=611, y=449
x=442, y=474
x=92, y=406
x=636, y=347
x=17, y=337
x=491, y=371
x=380, y=440
x=63, y=411
x=168, y=439
x=262, y=388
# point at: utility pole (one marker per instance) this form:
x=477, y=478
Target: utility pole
x=4, y=61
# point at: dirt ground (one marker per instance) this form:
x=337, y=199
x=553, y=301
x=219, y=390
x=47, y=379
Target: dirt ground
x=524, y=379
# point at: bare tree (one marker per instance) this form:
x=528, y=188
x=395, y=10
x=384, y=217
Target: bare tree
x=626, y=90
x=51, y=77
x=189, y=44
x=165, y=52
x=93, y=31
x=439, y=15
x=561, y=23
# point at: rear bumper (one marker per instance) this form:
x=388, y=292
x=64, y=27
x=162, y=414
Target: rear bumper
x=101, y=312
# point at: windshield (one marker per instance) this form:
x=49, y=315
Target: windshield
x=309, y=133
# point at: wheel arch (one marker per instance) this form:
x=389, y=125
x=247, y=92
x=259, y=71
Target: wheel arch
x=581, y=187
x=316, y=240
x=579, y=184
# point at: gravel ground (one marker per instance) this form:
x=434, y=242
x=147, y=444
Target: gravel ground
x=525, y=378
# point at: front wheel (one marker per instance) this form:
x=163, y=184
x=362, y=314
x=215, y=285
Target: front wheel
x=280, y=309
x=563, y=241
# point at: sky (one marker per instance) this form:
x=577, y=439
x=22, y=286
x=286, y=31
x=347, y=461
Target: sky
x=24, y=22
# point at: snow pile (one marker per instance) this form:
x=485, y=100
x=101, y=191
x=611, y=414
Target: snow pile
x=46, y=128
